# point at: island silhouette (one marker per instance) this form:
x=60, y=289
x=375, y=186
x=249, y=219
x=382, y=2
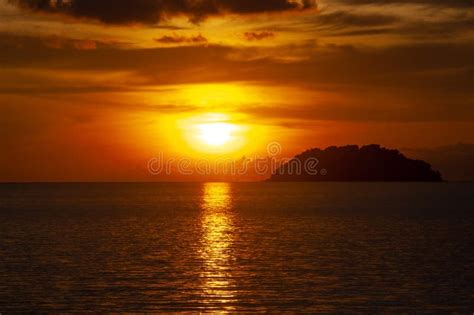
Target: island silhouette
x=354, y=163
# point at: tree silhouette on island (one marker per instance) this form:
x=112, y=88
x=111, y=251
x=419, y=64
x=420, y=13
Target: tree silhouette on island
x=354, y=163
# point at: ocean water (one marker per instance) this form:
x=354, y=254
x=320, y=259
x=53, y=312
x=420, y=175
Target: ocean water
x=203, y=247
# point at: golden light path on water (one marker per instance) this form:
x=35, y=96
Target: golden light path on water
x=217, y=237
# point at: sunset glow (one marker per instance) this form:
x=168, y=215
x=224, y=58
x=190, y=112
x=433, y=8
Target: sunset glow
x=236, y=156
x=91, y=90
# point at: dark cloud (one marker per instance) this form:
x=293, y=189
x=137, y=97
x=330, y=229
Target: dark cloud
x=177, y=39
x=357, y=109
x=348, y=24
x=438, y=29
x=49, y=90
x=10, y=42
x=346, y=19
x=447, y=3
x=415, y=30
x=411, y=82
x=153, y=11
x=416, y=64
x=365, y=32
x=251, y=36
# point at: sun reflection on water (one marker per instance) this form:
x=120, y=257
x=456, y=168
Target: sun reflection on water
x=217, y=237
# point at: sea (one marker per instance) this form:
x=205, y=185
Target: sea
x=237, y=247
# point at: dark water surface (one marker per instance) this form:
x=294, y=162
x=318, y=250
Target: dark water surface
x=347, y=247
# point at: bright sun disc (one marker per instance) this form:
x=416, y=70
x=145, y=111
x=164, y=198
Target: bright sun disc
x=215, y=134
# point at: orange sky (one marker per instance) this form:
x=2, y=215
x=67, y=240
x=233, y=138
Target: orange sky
x=92, y=90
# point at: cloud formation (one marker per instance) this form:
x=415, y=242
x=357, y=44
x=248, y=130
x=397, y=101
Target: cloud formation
x=177, y=39
x=251, y=36
x=406, y=83
x=344, y=24
x=154, y=11
x=447, y=3
x=347, y=19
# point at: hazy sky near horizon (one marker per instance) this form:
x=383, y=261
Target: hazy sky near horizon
x=91, y=90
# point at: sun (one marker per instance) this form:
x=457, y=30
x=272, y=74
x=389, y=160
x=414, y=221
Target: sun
x=215, y=134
